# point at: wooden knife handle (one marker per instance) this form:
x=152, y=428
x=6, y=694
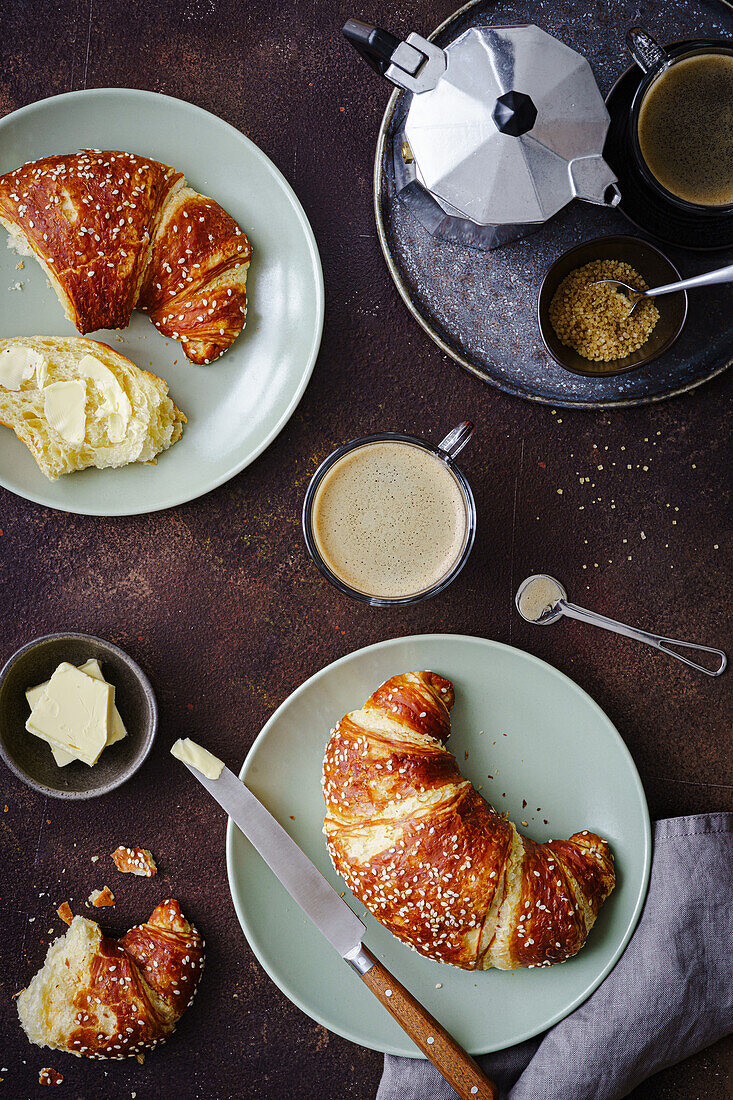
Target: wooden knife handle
x=450, y=1059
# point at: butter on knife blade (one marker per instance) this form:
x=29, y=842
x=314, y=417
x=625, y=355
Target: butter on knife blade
x=198, y=757
x=333, y=918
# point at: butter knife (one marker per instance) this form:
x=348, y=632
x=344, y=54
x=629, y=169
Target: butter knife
x=344, y=931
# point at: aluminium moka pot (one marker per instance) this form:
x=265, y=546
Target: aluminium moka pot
x=505, y=126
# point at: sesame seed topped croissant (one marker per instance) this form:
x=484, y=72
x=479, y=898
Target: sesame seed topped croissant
x=431, y=859
x=116, y=232
x=97, y=997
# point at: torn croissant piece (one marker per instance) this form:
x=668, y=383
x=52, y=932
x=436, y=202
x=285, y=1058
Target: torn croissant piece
x=76, y=403
x=116, y=232
x=431, y=859
x=105, y=998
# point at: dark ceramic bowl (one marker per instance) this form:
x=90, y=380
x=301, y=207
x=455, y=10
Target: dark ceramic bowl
x=654, y=268
x=30, y=757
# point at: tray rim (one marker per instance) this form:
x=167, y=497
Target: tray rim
x=425, y=325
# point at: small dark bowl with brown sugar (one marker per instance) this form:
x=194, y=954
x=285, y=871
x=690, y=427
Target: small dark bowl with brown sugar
x=654, y=268
x=30, y=758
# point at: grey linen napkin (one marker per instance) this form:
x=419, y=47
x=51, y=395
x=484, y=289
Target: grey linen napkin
x=670, y=994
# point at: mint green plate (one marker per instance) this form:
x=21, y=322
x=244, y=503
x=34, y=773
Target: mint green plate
x=236, y=406
x=560, y=753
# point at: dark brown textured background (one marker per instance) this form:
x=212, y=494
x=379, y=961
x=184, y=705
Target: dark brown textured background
x=219, y=603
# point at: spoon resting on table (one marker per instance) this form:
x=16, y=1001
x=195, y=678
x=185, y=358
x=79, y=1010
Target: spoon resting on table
x=542, y=600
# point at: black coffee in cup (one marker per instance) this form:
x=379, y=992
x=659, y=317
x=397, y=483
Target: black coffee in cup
x=685, y=129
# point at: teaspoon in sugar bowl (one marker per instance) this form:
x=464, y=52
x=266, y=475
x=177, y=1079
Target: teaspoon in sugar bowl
x=709, y=278
x=542, y=600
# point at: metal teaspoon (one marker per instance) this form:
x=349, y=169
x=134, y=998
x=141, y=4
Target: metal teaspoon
x=557, y=605
x=709, y=278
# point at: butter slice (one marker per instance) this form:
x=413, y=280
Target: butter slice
x=117, y=729
x=62, y=757
x=198, y=757
x=115, y=405
x=17, y=365
x=64, y=406
x=74, y=713
x=42, y=369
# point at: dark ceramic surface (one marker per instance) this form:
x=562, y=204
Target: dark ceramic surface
x=479, y=307
x=30, y=757
x=220, y=604
x=654, y=268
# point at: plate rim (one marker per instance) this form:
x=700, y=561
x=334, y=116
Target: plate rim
x=463, y=361
x=183, y=496
x=490, y=643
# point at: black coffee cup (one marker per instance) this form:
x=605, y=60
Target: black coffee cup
x=656, y=62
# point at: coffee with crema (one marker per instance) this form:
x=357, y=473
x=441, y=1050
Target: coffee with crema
x=685, y=129
x=389, y=519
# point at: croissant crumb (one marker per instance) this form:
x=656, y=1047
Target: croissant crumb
x=102, y=898
x=64, y=912
x=134, y=861
x=49, y=1076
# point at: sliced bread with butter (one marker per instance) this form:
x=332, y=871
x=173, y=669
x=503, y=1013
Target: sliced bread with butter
x=77, y=403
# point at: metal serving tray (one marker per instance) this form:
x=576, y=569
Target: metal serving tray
x=480, y=307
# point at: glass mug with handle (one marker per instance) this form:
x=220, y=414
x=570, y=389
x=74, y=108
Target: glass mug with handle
x=390, y=519
x=681, y=122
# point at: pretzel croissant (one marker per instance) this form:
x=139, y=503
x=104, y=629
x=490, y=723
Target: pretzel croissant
x=116, y=232
x=431, y=859
x=105, y=998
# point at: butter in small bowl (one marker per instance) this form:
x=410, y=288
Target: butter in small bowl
x=75, y=713
x=34, y=755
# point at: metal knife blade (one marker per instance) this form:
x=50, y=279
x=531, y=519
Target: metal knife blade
x=343, y=929
x=301, y=878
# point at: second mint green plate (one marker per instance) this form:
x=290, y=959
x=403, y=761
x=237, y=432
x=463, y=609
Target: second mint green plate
x=237, y=405
x=557, y=762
